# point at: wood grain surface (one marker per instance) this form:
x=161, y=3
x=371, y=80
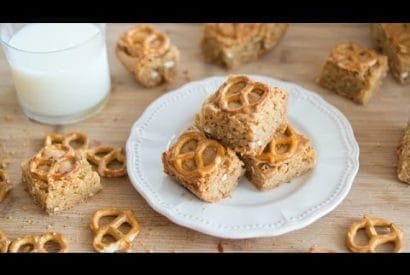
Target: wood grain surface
x=377, y=127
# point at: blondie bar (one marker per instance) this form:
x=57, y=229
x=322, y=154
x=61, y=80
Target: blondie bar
x=232, y=44
x=288, y=155
x=353, y=71
x=243, y=114
x=149, y=55
x=394, y=41
x=202, y=165
x=403, y=152
x=58, y=178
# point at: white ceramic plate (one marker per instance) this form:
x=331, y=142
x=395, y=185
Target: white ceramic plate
x=249, y=213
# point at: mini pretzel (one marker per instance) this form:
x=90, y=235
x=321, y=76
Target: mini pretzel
x=4, y=242
x=147, y=40
x=196, y=154
x=403, y=42
x=271, y=153
x=123, y=240
x=240, y=94
x=52, y=158
x=5, y=185
x=109, y=154
x=77, y=136
x=395, y=235
x=53, y=138
x=353, y=57
x=38, y=243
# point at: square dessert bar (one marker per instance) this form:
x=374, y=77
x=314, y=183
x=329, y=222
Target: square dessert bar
x=403, y=152
x=232, y=44
x=353, y=71
x=149, y=55
x=288, y=155
x=243, y=114
x=203, y=166
x=394, y=41
x=59, y=177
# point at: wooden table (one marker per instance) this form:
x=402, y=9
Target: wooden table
x=298, y=58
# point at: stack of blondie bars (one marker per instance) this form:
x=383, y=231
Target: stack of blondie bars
x=242, y=127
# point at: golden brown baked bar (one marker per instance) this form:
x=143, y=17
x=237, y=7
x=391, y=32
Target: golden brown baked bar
x=59, y=178
x=202, y=165
x=243, y=114
x=394, y=41
x=149, y=55
x=232, y=44
x=403, y=152
x=288, y=155
x=353, y=71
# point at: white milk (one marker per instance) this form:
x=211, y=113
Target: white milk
x=59, y=69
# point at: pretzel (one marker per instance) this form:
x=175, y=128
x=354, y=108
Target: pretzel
x=54, y=138
x=122, y=240
x=351, y=56
x=54, y=161
x=271, y=153
x=145, y=39
x=78, y=137
x=196, y=154
x=395, y=235
x=110, y=154
x=5, y=185
x=37, y=243
x=403, y=42
x=4, y=242
x=240, y=94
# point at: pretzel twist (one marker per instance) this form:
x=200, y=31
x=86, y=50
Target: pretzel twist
x=395, y=235
x=196, y=154
x=351, y=56
x=109, y=154
x=289, y=141
x=4, y=242
x=123, y=240
x=37, y=243
x=240, y=94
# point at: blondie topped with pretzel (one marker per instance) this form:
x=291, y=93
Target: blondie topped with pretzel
x=58, y=177
x=243, y=114
x=403, y=152
x=203, y=165
x=394, y=41
x=353, y=71
x=288, y=155
x=148, y=54
x=233, y=44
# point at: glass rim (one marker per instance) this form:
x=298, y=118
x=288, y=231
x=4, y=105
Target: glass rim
x=52, y=51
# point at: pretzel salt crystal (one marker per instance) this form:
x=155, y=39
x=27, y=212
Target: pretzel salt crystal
x=196, y=154
x=395, y=235
x=123, y=240
x=37, y=243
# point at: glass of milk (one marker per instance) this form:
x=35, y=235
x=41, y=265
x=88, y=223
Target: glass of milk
x=60, y=70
